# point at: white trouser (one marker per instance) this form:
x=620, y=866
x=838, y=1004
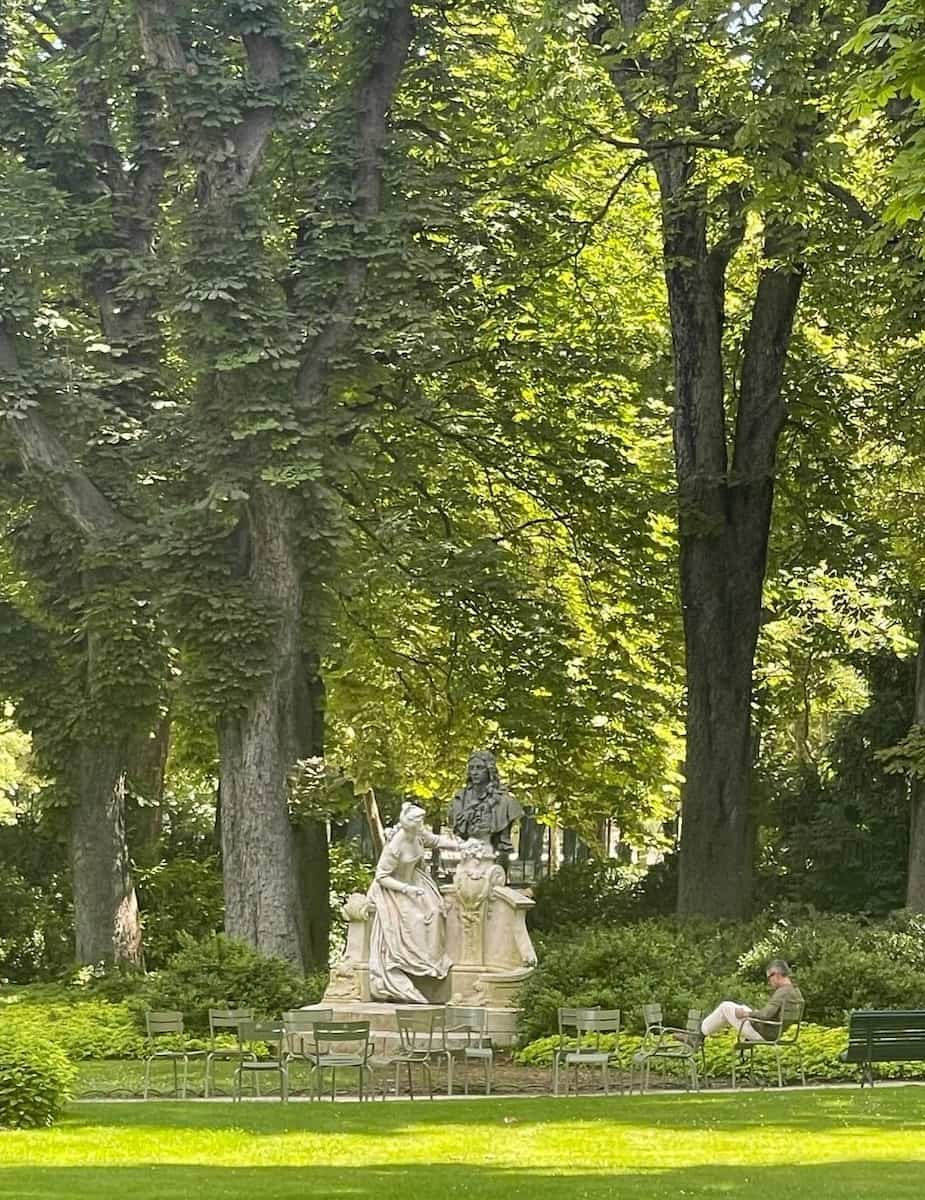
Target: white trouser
x=725, y=1014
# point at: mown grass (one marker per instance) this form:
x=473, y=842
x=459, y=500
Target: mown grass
x=834, y=1143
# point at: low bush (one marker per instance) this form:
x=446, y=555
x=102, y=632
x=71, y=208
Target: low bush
x=36, y=1080
x=82, y=1028
x=840, y=963
x=219, y=972
x=821, y=1049
x=602, y=892
x=183, y=897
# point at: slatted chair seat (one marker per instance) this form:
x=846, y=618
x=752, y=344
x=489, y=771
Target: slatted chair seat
x=256, y=1034
x=161, y=1027
x=586, y=1026
x=225, y=1020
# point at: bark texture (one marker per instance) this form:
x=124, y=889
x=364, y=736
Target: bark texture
x=915, y=884
x=106, y=925
x=258, y=746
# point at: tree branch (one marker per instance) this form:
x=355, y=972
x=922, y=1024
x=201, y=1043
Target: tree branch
x=372, y=106
x=43, y=454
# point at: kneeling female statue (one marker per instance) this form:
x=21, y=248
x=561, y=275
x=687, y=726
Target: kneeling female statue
x=408, y=935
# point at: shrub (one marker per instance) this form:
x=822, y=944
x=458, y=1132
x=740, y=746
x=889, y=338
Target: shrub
x=602, y=892
x=678, y=965
x=83, y=1028
x=35, y=929
x=36, y=1080
x=219, y=972
x=183, y=896
x=840, y=963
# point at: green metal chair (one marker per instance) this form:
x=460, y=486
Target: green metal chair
x=339, y=1046
x=586, y=1026
x=467, y=1039
x=160, y=1027
x=421, y=1039
x=299, y=1024
x=788, y=1031
x=667, y=1044
x=256, y=1034
x=227, y=1020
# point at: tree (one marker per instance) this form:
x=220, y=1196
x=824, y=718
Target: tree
x=730, y=115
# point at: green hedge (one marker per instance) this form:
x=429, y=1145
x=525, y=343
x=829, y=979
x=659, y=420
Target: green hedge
x=841, y=963
x=82, y=1028
x=36, y=1079
x=821, y=1049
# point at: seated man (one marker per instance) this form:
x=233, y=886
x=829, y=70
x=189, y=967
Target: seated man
x=752, y=1023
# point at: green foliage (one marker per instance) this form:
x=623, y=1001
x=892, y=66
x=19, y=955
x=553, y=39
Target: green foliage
x=840, y=963
x=602, y=892
x=36, y=1080
x=36, y=936
x=179, y=897
x=82, y=1027
x=841, y=822
x=218, y=972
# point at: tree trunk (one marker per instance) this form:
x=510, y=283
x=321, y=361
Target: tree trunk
x=724, y=524
x=146, y=761
x=311, y=836
x=106, y=923
x=258, y=746
x=915, y=883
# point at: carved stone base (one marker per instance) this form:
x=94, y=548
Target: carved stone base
x=501, y=1022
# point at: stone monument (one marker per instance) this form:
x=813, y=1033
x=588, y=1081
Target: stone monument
x=409, y=942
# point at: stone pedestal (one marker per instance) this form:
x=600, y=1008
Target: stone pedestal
x=501, y=1022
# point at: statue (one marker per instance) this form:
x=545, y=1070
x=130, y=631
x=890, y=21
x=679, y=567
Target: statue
x=408, y=937
x=484, y=808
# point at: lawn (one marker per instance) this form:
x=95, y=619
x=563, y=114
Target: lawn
x=835, y=1143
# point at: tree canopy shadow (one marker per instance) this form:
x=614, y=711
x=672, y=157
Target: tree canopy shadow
x=850, y=1180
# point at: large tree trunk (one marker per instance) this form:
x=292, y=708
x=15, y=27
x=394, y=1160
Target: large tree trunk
x=311, y=835
x=724, y=525
x=106, y=925
x=915, y=884
x=146, y=763
x=258, y=746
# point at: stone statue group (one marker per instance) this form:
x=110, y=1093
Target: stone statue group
x=411, y=943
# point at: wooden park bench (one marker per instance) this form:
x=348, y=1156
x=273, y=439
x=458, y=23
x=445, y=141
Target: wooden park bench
x=884, y=1035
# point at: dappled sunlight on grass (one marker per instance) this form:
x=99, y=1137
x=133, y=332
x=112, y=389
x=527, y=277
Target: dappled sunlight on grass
x=633, y=1146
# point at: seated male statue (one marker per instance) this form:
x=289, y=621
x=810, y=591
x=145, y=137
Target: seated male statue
x=761, y=1024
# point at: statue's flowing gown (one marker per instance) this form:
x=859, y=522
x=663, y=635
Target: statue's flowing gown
x=408, y=936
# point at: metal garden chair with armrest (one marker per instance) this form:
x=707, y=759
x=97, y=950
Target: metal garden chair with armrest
x=586, y=1026
x=472, y=1025
x=668, y=1044
x=299, y=1024
x=421, y=1039
x=339, y=1046
x=162, y=1027
x=788, y=1037
x=273, y=1035
x=227, y=1020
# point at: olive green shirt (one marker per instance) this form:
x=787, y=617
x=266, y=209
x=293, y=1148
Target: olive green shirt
x=785, y=1005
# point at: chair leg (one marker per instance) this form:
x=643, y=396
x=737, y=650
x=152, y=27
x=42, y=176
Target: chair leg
x=489, y=1069
x=780, y=1077
x=604, y=1073
x=284, y=1084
